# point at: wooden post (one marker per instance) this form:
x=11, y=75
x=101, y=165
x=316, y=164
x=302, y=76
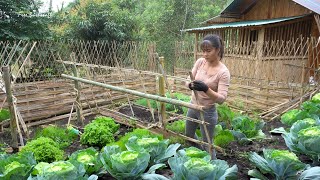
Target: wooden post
x=13, y=121
x=78, y=89
x=162, y=93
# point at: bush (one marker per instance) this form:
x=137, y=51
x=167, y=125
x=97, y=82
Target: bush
x=44, y=150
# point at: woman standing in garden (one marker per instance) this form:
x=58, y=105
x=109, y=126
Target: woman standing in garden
x=211, y=81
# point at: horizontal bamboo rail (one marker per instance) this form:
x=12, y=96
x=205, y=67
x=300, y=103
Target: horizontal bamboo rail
x=137, y=93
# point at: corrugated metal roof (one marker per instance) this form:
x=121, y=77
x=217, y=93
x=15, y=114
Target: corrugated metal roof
x=237, y=7
x=244, y=23
x=313, y=5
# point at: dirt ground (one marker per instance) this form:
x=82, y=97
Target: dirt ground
x=235, y=153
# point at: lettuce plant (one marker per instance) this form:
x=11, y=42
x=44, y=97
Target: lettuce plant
x=16, y=166
x=44, y=150
x=178, y=126
x=89, y=158
x=99, y=132
x=59, y=135
x=159, y=150
x=282, y=164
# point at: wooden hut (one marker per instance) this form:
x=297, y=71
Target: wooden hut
x=271, y=49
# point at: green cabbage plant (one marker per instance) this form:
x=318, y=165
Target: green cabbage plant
x=89, y=158
x=127, y=164
x=245, y=129
x=185, y=168
x=282, y=164
x=16, y=166
x=310, y=174
x=159, y=150
x=193, y=152
x=60, y=170
x=140, y=133
x=304, y=138
x=293, y=116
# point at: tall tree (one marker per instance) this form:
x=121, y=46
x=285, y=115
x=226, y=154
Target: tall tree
x=21, y=20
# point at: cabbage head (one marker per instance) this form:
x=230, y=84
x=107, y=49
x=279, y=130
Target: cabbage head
x=89, y=158
x=124, y=164
x=282, y=164
x=185, y=168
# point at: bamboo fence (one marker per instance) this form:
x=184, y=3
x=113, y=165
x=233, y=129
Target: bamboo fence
x=264, y=75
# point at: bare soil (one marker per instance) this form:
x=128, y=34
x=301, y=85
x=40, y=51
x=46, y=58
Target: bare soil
x=235, y=153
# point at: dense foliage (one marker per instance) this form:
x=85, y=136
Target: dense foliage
x=20, y=20
x=60, y=135
x=99, y=132
x=44, y=150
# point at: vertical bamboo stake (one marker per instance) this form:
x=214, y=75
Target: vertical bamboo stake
x=78, y=103
x=302, y=81
x=13, y=121
x=162, y=93
x=211, y=148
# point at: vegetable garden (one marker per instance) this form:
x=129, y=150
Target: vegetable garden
x=80, y=112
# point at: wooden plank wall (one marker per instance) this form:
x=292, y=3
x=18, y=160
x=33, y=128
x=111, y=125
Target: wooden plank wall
x=270, y=9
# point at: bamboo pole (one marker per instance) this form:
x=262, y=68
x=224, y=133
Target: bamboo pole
x=78, y=94
x=210, y=147
x=137, y=93
x=162, y=93
x=13, y=121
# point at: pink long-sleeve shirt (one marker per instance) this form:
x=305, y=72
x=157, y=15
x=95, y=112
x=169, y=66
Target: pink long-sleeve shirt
x=217, y=81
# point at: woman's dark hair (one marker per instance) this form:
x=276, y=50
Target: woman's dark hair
x=215, y=41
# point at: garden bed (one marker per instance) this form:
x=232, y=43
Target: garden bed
x=234, y=152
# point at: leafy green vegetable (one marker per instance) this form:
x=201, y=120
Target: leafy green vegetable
x=304, y=138
x=99, y=132
x=44, y=150
x=16, y=166
x=89, y=158
x=316, y=98
x=185, y=168
x=282, y=164
x=178, y=126
x=249, y=127
x=223, y=138
x=125, y=164
x=59, y=135
x=4, y=114
x=293, y=116
x=60, y=170
x=159, y=150
x=193, y=152
x=140, y=133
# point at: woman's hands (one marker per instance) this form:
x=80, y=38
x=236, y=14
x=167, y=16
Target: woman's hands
x=198, y=86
